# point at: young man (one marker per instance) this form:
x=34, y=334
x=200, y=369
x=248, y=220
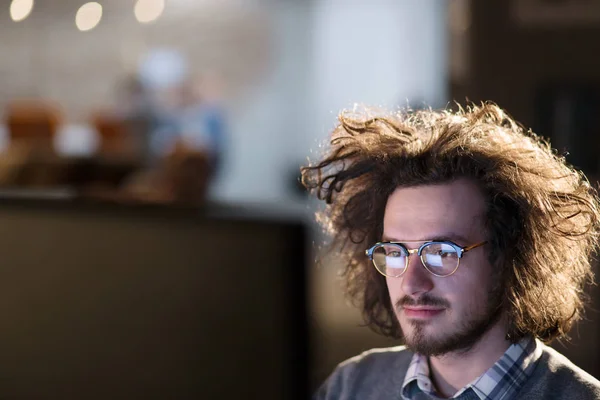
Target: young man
x=469, y=238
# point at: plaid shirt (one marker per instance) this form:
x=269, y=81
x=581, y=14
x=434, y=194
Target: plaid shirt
x=502, y=381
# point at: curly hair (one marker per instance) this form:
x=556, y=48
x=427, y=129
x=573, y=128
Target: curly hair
x=541, y=217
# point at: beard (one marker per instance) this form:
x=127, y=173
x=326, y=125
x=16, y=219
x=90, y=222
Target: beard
x=462, y=338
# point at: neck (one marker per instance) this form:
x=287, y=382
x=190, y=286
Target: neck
x=453, y=371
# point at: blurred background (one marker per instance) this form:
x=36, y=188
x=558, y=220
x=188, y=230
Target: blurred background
x=119, y=108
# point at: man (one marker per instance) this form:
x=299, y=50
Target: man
x=469, y=238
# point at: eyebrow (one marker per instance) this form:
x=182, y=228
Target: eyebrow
x=448, y=236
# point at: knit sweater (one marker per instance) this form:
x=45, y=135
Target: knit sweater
x=379, y=374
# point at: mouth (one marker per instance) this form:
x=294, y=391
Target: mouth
x=421, y=312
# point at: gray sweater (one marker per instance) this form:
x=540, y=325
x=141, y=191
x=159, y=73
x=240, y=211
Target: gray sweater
x=379, y=374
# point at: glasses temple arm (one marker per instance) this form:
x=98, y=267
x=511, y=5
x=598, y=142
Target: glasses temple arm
x=465, y=249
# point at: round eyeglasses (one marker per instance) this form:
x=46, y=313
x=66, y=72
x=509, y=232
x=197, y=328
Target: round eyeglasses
x=440, y=258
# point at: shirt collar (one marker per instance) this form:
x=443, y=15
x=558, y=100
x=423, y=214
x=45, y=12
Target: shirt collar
x=502, y=381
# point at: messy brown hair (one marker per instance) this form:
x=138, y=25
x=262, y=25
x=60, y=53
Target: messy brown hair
x=541, y=218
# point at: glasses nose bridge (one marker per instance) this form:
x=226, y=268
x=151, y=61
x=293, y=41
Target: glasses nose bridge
x=413, y=252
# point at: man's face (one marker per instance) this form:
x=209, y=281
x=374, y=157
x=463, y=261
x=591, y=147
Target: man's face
x=439, y=315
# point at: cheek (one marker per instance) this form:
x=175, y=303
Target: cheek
x=469, y=297
x=394, y=286
x=470, y=291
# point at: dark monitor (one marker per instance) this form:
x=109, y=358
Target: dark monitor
x=128, y=302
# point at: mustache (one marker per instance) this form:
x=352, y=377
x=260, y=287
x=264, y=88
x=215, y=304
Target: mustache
x=424, y=300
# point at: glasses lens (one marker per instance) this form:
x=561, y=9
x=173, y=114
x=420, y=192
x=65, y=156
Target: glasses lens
x=440, y=258
x=390, y=259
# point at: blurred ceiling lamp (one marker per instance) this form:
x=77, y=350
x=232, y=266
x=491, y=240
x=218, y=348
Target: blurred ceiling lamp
x=88, y=16
x=20, y=9
x=147, y=11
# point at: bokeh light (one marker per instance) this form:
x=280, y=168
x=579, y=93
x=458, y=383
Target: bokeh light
x=88, y=16
x=20, y=9
x=147, y=11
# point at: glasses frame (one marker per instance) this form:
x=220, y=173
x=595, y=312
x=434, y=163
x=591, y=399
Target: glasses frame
x=460, y=251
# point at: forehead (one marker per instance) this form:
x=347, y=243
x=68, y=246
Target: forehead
x=451, y=210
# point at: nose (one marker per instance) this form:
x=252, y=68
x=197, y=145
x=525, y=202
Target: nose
x=416, y=280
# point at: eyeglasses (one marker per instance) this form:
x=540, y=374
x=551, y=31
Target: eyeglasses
x=440, y=258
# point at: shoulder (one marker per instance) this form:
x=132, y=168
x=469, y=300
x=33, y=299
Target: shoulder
x=557, y=377
x=374, y=362
x=372, y=374
x=561, y=366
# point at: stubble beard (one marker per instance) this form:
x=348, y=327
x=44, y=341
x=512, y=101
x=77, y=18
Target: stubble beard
x=462, y=338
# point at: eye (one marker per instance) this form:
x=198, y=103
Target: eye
x=440, y=250
x=394, y=253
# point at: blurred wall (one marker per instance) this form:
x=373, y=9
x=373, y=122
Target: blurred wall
x=268, y=121
x=510, y=55
x=384, y=53
x=329, y=54
x=291, y=66
x=47, y=56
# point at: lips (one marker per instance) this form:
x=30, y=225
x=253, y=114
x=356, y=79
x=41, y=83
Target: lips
x=422, y=312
